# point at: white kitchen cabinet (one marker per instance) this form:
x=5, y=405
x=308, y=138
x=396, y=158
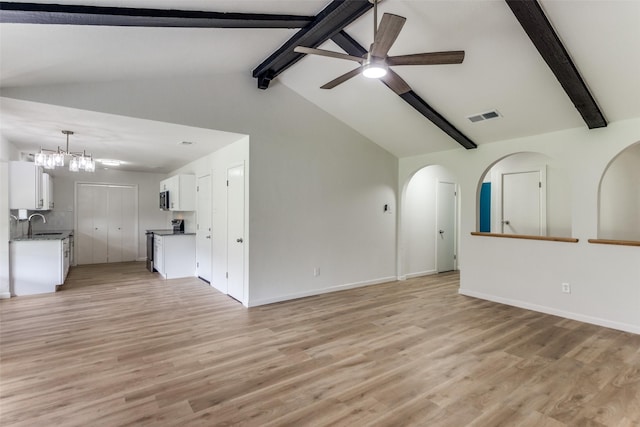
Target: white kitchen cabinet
x=182, y=192
x=47, y=192
x=158, y=254
x=174, y=255
x=38, y=266
x=25, y=186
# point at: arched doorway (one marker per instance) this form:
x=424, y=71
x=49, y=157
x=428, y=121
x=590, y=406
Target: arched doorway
x=429, y=222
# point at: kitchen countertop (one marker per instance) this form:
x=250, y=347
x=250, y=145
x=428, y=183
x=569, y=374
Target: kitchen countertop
x=169, y=233
x=45, y=235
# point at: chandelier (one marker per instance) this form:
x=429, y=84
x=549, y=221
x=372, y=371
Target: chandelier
x=50, y=159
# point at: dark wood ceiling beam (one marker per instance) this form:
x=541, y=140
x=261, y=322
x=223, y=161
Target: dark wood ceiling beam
x=331, y=20
x=38, y=13
x=535, y=23
x=352, y=47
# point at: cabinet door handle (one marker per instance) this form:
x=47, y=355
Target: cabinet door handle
x=239, y=240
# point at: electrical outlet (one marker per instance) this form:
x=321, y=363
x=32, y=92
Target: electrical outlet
x=566, y=288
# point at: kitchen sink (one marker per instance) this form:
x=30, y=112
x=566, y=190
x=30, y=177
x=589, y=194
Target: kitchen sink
x=47, y=234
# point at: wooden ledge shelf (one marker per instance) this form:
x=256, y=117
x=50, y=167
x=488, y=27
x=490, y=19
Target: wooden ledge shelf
x=615, y=242
x=526, y=237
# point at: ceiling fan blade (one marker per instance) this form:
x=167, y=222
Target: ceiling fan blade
x=396, y=83
x=387, y=33
x=328, y=53
x=433, y=58
x=343, y=78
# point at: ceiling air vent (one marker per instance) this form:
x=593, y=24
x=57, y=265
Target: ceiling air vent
x=493, y=114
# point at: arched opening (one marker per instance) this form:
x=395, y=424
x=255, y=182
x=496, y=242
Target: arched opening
x=619, y=197
x=429, y=222
x=524, y=194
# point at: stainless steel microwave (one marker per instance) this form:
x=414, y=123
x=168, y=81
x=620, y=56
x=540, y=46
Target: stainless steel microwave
x=164, y=200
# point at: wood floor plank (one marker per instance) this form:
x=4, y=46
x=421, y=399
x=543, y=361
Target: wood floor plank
x=119, y=346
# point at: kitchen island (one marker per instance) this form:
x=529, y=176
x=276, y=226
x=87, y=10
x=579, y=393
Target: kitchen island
x=174, y=253
x=40, y=263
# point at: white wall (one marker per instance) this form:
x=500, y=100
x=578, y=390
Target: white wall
x=604, y=279
x=620, y=197
x=62, y=217
x=419, y=219
x=317, y=187
x=216, y=165
x=7, y=152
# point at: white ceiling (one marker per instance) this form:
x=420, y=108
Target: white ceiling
x=143, y=145
x=502, y=70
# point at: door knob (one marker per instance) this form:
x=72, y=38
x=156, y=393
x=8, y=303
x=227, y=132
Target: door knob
x=239, y=240
x=441, y=231
x=506, y=222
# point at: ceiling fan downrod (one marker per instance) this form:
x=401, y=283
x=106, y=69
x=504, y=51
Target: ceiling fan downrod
x=375, y=17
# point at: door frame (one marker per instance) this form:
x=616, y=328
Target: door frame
x=108, y=184
x=210, y=176
x=455, y=224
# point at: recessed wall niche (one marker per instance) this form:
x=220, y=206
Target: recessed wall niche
x=619, y=197
x=524, y=194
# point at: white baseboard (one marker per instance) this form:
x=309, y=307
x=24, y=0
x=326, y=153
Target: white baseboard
x=420, y=274
x=5, y=295
x=141, y=259
x=313, y=292
x=626, y=327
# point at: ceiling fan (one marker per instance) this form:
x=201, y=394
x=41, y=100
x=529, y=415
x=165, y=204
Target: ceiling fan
x=376, y=63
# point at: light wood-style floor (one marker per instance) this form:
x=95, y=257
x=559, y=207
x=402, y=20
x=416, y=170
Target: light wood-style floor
x=119, y=346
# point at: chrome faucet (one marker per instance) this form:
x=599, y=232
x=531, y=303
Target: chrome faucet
x=29, y=230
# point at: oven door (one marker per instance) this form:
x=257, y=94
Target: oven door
x=149, y=251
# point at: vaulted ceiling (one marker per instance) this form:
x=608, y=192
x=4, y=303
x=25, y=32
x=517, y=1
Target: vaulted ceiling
x=503, y=69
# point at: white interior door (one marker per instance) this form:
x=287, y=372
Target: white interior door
x=203, y=228
x=115, y=233
x=92, y=217
x=446, y=227
x=84, y=229
x=128, y=224
x=107, y=219
x=235, y=232
x=523, y=210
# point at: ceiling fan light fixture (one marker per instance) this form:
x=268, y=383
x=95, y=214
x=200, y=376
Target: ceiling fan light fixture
x=374, y=71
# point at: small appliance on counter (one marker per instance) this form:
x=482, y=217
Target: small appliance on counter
x=177, y=225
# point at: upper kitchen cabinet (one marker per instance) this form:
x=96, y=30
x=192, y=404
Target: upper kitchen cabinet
x=25, y=186
x=182, y=192
x=47, y=192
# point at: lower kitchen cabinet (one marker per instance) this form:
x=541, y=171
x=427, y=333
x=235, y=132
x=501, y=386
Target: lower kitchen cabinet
x=174, y=255
x=38, y=266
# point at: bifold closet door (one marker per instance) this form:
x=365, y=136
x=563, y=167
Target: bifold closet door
x=121, y=236
x=107, y=217
x=92, y=214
